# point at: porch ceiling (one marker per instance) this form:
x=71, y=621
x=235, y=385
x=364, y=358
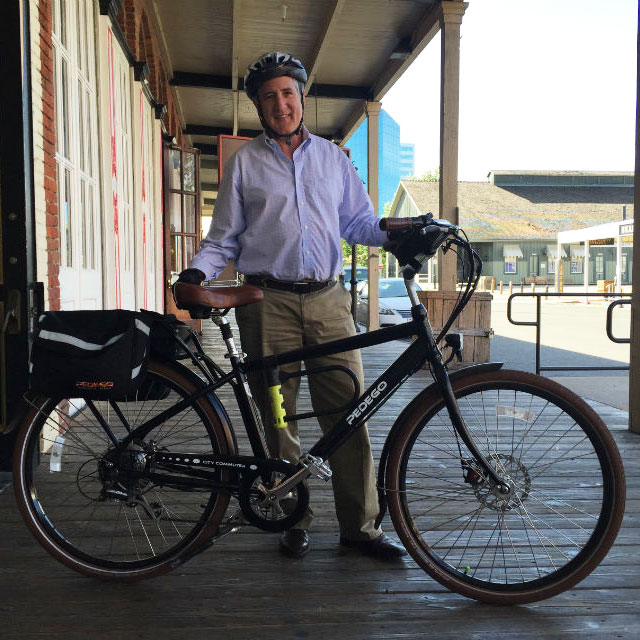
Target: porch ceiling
x=354, y=50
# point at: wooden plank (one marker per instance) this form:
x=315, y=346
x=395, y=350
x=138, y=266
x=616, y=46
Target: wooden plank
x=243, y=588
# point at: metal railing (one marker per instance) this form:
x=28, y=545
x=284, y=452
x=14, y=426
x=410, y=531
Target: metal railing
x=537, y=323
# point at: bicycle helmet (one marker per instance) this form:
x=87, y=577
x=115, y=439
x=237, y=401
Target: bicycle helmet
x=272, y=65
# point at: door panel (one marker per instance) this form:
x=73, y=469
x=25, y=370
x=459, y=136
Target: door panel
x=126, y=236
x=76, y=158
x=182, y=218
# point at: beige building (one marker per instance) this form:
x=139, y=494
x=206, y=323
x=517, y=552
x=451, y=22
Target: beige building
x=513, y=220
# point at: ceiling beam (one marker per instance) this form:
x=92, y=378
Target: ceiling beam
x=203, y=80
x=188, y=79
x=206, y=149
x=407, y=51
x=207, y=130
x=321, y=43
x=399, y=60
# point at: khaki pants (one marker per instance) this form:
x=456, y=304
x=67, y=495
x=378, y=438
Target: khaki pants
x=284, y=321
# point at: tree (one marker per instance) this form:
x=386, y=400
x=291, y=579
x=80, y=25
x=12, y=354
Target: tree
x=361, y=255
x=427, y=176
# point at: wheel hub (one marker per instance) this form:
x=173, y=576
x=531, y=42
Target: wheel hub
x=514, y=490
x=115, y=476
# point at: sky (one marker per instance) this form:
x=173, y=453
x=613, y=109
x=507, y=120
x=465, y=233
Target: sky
x=544, y=85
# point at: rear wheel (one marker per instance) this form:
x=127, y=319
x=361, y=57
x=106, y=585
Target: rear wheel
x=95, y=511
x=561, y=516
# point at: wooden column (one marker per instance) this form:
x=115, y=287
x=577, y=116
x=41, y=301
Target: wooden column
x=450, y=21
x=634, y=370
x=373, y=117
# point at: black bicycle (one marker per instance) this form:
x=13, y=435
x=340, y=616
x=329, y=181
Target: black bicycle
x=503, y=486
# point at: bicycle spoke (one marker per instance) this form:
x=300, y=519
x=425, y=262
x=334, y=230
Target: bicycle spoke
x=97, y=501
x=512, y=538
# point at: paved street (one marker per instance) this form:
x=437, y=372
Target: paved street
x=573, y=334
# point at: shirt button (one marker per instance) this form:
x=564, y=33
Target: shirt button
x=306, y=226
x=302, y=204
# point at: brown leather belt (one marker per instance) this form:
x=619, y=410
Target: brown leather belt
x=291, y=287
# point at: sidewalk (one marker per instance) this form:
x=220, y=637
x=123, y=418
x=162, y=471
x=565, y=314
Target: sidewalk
x=610, y=390
x=573, y=334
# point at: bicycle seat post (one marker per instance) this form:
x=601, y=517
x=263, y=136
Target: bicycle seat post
x=225, y=329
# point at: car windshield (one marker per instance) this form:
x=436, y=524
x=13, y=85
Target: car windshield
x=362, y=273
x=392, y=289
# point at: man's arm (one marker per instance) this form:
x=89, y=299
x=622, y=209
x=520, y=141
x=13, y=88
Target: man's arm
x=358, y=222
x=221, y=242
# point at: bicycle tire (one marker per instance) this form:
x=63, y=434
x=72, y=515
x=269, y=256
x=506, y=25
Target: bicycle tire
x=68, y=497
x=566, y=507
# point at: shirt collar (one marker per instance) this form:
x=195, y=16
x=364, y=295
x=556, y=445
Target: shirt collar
x=306, y=139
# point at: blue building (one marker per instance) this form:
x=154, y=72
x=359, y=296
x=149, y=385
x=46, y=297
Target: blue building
x=395, y=159
x=407, y=160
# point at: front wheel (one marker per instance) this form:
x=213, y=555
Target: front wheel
x=90, y=504
x=567, y=488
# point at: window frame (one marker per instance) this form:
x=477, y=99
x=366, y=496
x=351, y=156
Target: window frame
x=511, y=262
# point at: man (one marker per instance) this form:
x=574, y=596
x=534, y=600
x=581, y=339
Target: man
x=284, y=201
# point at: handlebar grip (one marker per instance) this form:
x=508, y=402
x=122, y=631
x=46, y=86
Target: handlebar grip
x=396, y=224
x=400, y=225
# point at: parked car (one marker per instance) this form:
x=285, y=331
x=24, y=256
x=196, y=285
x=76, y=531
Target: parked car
x=394, y=304
x=361, y=274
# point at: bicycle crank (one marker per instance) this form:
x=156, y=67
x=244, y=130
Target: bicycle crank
x=268, y=509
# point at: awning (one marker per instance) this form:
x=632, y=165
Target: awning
x=511, y=251
x=552, y=251
x=577, y=251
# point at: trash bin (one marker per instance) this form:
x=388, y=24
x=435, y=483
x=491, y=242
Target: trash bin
x=474, y=323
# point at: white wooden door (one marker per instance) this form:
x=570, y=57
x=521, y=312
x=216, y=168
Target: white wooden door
x=80, y=232
x=123, y=218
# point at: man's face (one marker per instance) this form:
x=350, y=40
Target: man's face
x=281, y=104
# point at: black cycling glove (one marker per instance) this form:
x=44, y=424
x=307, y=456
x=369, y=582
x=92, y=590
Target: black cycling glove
x=192, y=276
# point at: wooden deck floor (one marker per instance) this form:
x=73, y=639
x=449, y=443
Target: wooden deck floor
x=243, y=588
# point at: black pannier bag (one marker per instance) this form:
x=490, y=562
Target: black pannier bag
x=90, y=354
x=164, y=347
x=163, y=344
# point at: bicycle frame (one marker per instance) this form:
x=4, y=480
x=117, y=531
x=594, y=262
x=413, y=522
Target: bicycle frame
x=423, y=349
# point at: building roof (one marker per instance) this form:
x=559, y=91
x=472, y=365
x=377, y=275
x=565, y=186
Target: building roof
x=491, y=212
x=514, y=178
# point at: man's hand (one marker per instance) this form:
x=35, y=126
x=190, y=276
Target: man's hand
x=191, y=276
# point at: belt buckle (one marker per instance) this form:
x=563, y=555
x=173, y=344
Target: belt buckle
x=301, y=287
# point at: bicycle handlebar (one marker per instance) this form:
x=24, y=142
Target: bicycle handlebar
x=401, y=225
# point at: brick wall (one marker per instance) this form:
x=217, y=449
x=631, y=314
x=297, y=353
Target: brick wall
x=143, y=42
x=46, y=202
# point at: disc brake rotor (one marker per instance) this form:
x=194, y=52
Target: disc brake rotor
x=515, y=474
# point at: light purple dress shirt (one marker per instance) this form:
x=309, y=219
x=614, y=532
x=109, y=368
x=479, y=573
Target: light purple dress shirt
x=284, y=219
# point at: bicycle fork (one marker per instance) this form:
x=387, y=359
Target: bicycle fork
x=471, y=476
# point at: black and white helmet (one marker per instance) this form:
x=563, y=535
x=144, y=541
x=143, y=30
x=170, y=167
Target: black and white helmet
x=272, y=65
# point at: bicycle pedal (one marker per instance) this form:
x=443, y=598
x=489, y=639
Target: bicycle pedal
x=316, y=467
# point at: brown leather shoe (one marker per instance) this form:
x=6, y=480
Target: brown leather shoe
x=381, y=548
x=295, y=543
